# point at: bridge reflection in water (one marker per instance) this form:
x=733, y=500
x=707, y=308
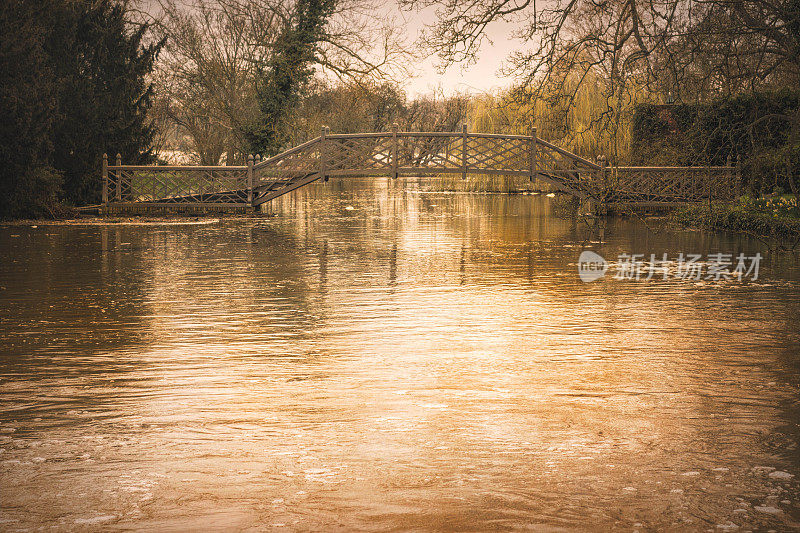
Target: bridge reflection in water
x=420, y=361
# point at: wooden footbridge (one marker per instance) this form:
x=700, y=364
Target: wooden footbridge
x=394, y=154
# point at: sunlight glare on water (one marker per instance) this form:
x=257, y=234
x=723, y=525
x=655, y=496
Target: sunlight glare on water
x=419, y=361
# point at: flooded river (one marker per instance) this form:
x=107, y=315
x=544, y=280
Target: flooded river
x=374, y=357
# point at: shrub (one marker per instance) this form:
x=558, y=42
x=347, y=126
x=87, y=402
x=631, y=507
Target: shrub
x=758, y=127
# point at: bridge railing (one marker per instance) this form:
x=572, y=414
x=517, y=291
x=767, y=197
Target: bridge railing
x=396, y=153
x=170, y=184
x=424, y=153
x=666, y=185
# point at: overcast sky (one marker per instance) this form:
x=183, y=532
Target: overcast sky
x=480, y=77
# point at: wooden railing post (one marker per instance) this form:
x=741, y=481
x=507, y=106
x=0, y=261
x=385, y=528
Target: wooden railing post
x=464, y=151
x=250, y=180
x=105, y=179
x=604, y=171
x=323, y=166
x=731, y=175
x=532, y=162
x=738, y=175
x=119, y=177
x=603, y=181
x=394, y=150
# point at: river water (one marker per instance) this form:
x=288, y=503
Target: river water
x=375, y=357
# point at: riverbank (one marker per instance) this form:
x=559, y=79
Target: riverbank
x=775, y=217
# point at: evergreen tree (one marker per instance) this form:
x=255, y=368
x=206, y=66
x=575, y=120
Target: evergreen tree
x=74, y=86
x=101, y=68
x=28, y=185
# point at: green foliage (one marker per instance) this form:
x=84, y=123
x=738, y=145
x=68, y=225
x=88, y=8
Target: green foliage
x=27, y=98
x=73, y=86
x=101, y=70
x=35, y=193
x=776, y=206
x=777, y=217
x=759, y=127
x=289, y=69
x=660, y=134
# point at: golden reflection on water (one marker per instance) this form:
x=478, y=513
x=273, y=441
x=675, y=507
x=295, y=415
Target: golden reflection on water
x=421, y=361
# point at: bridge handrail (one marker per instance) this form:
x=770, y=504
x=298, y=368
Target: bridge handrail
x=166, y=168
x=290, y=151
x=372, y=135
x=674, y=169
x=570, y=155
x=425, y=134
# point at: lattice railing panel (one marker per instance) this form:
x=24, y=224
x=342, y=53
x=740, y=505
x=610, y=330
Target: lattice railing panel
x=279, y=170
x=177, y=184
x=431, y=152
x=358, y=153
x=498, y=154
x=673, y=183
x=573, y=173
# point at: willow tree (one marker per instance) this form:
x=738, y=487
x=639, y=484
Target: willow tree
x=656, y=50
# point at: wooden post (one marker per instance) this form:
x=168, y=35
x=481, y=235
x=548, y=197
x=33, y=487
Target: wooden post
x=603, y=208
x=250, y=180
x=464, y=151
x=119, y=177
x=105, y=179
x=533, y=169
x=394, y=150
x=738, y=175
x=323, y=167
x=731, y=175
x=604, y=172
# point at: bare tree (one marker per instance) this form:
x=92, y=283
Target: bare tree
x=216, y=50
x=206, y=72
